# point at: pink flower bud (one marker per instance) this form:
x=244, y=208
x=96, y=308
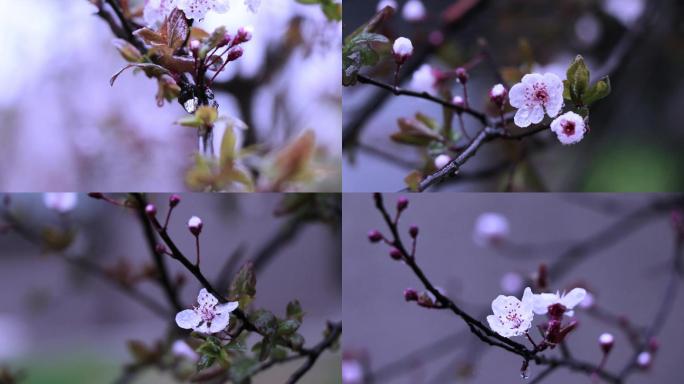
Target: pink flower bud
x=160, y=249
x=151, y=210
x=395, y=254
x=458, y=101
x=374, y=236
x=235, y=54
x=424, y=300
x=195, y=46
x=606, y=341
x=644, y=360
x=410, y=294
x=461, y=75
x=402, y=50
x=244, y=34
x=498, y=95
x=195, y=225
x=413, y=231
x=402, y=203
x=174, y=200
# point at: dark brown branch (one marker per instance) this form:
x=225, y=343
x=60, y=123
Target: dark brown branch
x=335, y=330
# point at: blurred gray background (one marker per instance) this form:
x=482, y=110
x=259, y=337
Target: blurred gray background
x=628, y=278
x=61, y=326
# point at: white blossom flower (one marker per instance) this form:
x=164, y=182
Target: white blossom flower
x=197, y=9
x=253, y=5
x=423, y=80
x=402, y=48
x=155, y=11
x=587, y=302
x=497, y=91
x=512, y=317
x=569, y=127
x=60, y=202
x=441, y=161
x=209, y=316
x=414, y=10
x=535, y=95
x=542, y=301
x=490, y=229
x=181, y=349
x=386, y=3
x=606, y=339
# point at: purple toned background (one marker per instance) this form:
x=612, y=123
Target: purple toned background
x=628, y=277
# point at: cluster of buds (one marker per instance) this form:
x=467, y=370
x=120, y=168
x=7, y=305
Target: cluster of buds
x=207, y=55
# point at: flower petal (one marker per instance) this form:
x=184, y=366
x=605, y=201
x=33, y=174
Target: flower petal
x=219, y=322
x=227, y=307
x=522, y=117
x=188, y=319
x=573, y=297
x=532, y=78
x=206, y=299
x=537, y=114
x=516, y=97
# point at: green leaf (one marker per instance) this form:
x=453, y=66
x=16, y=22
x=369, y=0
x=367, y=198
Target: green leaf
x=264, y=321
x=297, y=341
x=241, y=369
x=288, y=327
x=205, y=362
x=598, y=91
x=414, y=132
x=151, y=70
x=243, y=286
x=228, y=150
x=360, y=51
x=294, y=311
x=129, y=52
x=578, y=79
x=413, y=180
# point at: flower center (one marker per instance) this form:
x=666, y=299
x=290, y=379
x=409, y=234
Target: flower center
x=568, y=127
x=540, y=93
x=206, y=313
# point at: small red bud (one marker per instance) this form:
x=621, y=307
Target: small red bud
x=235, y=54
x=410, y=294
x=174, y=200
x=374, y=236
x=160, y=249
x=402, y=203
x=413, y=231
x=424, y=300
x=395, y=254
x=462, y=75
x=653, y=344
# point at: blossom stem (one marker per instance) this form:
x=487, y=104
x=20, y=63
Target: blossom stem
x=527, y=334
x=396, y=76
x=462, y=124
x=168, y=216
x=197, y=246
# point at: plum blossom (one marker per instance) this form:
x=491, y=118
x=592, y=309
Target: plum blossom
x=424, y=80
x=542, y=301
x=512, y=317
x=156, y=11
x=491, y=229
x=195, y=225
x=534, y=96
x=60, y=202
x=209, y=316
x=414, y=10
x=644, y=360
x=511, y=282
x=569, y=127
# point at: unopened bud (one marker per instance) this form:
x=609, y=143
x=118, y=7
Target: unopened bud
x=160, y=249
x=402, y=203
x=461, y=75
x=235, y=54
x=195, y=46
x=410, y=294
x=195, y=225
x=458, y=101
x=395, y=254
x=174, y=200
x=374, y=236
x=402, y=50
x=606, y=341
x=244, y=34
x=653, y=344
x=413, y=231
x=96, y=195
x=151, y=210
x=424, y=300
x=498, y=95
